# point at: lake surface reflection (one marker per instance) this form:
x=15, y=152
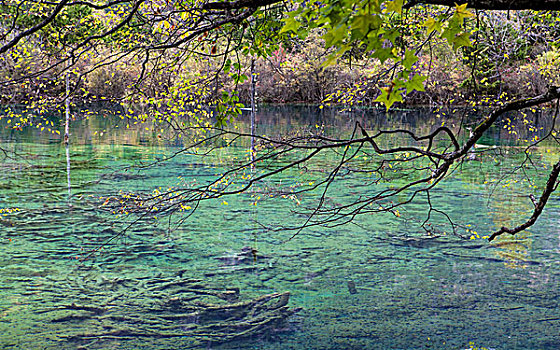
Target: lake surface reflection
x=219, y=280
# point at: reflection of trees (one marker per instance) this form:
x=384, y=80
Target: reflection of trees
x=400, y=165
x=504, y=210
x=397, y=167
x=507, y=203
x=68, y=174
x=515, y=250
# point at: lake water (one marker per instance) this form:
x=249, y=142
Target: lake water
x=218, y=280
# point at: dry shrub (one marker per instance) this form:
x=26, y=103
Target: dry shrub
x=107, y=82
x=299, y=74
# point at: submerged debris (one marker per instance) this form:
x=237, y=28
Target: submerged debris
x=167, y=309
x=247, y=255
x=352, y=287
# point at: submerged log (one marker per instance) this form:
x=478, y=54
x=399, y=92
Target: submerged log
x=173, y=309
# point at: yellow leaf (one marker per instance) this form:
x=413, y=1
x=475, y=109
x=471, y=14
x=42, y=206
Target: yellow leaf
x=462, y=11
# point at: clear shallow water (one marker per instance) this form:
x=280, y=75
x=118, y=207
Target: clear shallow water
x=379, y=283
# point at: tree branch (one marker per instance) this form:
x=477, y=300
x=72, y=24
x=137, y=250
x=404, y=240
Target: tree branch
x=550, y=187
x=239, y=4
x=35, y=28
x=552, y=94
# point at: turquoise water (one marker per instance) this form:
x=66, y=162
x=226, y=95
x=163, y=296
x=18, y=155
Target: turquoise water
x=378, y=283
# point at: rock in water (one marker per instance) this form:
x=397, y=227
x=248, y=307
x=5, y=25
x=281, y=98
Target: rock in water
x=352, y=287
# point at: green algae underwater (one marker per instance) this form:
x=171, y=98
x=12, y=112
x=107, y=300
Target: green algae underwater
x=223, y=280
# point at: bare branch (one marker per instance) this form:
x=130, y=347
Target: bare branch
x=35, y=28
x=239, y=4
x=552, y=94
x=551, y=185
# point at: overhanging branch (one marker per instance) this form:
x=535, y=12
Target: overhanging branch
x=35, y=28
x=239, y=4
x=552, y=94
x=551, y=185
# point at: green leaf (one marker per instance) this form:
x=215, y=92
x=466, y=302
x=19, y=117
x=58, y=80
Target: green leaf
x=462, y=12
x=291, y=25
x=362, y=23
x=336, y=36
x=395, y=6
x=383, y=54
x=409, y=59
x=227, y=66
x=384, y=97
x=431, y=24
x=462, y=40
x=389, y=96
x=415, y=84
x=374, y=6
x=242, y=79
x=450, y=32
x=392, y=35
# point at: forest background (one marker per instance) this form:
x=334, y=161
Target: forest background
x=511, y=54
